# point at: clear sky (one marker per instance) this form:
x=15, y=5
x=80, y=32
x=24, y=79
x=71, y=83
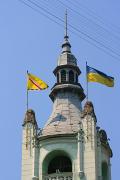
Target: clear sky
x=28, y=40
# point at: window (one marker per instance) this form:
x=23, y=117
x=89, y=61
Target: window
x=60, y=164
x=63, y=76
x=71, y=76
x=76, y=78
x=58, y=77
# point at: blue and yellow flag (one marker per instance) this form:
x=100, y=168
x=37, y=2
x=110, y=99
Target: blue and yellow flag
x=93, y=75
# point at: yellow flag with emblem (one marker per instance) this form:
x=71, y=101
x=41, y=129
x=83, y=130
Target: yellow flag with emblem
x=35, y=83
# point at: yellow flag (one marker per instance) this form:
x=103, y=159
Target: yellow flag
x=35, y=83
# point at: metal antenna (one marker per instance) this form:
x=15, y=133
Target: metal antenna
x=66, y=24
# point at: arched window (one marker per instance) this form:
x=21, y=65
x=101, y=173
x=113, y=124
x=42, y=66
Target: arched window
x=60, y=164
x=76, y=78
x=58, y=77
x=104, y=171
x=71, y=76
x=63, y=76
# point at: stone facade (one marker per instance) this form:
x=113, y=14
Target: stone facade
x=84, y=147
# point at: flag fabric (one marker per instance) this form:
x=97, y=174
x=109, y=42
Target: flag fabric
x=35, y=83
x=93, y=75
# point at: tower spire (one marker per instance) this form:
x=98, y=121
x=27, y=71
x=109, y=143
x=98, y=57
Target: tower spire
x=66, y=45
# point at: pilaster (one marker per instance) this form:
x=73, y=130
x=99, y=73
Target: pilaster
x=80, y=155
x=28, y=150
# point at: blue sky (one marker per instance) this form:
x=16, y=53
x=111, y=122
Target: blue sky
x=30, y=41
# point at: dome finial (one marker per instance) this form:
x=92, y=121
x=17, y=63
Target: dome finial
x=66, y=45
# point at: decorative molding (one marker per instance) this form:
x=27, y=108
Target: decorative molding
x=35, y=178
x=30, y=117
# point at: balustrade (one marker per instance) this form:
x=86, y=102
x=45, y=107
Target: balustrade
x=58, y=176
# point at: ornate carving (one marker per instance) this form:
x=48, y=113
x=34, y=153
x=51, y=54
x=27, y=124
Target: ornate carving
x=103, y=136
x=104, y=141
x=88, y=110
x=81, y=135
x=30, y=117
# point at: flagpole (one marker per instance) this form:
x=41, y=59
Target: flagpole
x=27, y=91
x=86, y=83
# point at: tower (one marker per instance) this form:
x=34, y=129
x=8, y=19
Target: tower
x=70, y=146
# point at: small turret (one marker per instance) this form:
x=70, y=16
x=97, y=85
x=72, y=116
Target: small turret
x=29, y=148
x=67, y=71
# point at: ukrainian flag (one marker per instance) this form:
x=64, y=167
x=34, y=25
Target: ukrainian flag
x=93, y=75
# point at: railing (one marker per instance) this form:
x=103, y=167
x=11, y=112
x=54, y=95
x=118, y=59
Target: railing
x=58, y=176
